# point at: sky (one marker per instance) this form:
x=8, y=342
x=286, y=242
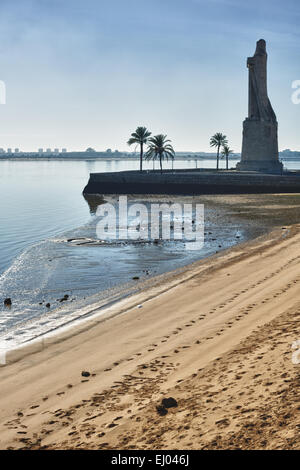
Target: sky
x=82, y=74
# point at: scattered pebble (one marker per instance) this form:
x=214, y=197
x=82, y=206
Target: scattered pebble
x=85, y=373
x=169, y=402
x=161, y=410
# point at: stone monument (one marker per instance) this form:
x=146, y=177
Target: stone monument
x=260, y=142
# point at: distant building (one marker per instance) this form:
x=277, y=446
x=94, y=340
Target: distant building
x=108, y=151
x=48, y=150
x=9, y=150
x=63, y=150
x=56, y=151
x=2, y=151
x=17, y=150
x=40, y=151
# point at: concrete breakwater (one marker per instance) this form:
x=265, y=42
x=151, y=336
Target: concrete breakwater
x=191, y=182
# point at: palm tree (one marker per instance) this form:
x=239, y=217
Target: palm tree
x=158, y=147
x=226, y=151
x=140, y=137
x=218, y=140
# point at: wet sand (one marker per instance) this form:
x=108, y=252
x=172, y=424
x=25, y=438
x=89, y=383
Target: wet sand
x=216, y=337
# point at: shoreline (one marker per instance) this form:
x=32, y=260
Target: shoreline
x=64, y=315
x=98, y=312
x=102, y=309
x=166, y=349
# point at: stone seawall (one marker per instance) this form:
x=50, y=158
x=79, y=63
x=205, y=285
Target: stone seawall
x=191, y=182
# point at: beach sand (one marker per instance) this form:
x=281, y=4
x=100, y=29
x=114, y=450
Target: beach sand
x=216, y=337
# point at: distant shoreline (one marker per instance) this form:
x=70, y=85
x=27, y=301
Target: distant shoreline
x=120, y=157
x=75, y=156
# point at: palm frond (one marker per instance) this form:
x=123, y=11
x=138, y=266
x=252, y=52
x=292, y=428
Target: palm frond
x=226, y=150
x=139, y=136
x=218, y=139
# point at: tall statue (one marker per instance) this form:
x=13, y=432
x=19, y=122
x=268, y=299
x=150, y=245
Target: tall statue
x=260, y=141
x=259, y=103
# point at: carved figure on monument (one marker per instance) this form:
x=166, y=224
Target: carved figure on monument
x=260, y=142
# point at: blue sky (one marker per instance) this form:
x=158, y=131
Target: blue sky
x=87, y=73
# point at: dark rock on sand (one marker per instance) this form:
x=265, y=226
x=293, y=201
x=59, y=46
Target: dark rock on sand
x=7, y=302
x=85, y=373
x=169, y=402
x=112, y=425
x=48, y=305
x=161, y=410
x=135, y=278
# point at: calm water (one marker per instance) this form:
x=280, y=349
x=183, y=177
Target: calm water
x=41, y=206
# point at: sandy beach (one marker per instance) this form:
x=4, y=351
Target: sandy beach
x=217, y=338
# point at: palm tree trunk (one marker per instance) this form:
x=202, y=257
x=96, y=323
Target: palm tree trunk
x=226, y=162
x=218, y=152
x=160, y=162
x=141, y=158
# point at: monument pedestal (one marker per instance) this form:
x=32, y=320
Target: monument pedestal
x=260, y=147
